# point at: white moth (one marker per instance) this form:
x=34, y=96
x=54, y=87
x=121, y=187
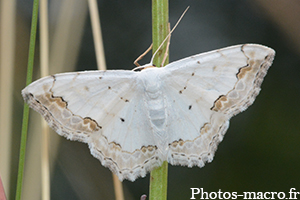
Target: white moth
x=133, y=121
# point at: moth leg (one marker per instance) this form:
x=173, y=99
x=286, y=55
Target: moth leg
x=142, y=55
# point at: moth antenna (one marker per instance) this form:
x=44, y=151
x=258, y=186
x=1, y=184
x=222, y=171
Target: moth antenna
x=151, y=62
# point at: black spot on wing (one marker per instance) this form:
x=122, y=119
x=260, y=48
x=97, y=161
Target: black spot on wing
x=126, y=100
x=184, y=88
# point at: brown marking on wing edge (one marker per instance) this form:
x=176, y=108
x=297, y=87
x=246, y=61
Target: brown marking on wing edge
x=205, y=128
x=218, y=103
x=58, y=100
x=244, y=70
x=92, y=123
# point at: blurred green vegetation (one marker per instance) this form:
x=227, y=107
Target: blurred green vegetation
x=260, y=151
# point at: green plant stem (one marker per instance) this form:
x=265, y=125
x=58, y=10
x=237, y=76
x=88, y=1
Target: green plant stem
x=160, y=20
x=160, y=29
x=26, y=108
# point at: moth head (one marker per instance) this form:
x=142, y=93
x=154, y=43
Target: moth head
x=140, y=68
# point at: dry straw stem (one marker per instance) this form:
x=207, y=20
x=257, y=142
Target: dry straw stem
x=100, y=56
x=44, y=64
x=7, y=52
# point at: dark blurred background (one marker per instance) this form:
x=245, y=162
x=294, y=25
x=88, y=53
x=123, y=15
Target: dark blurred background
x=260, y=151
